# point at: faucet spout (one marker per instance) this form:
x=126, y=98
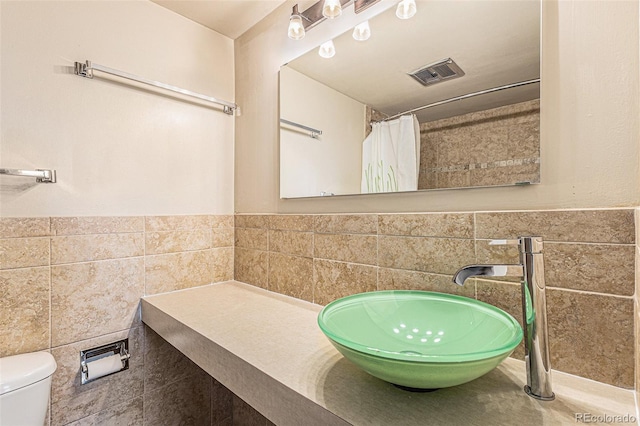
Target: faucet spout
x=534, y=308
x=469, y=271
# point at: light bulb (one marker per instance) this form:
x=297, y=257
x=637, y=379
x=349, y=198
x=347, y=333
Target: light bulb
x=362, y=31
x=327, y=50
x=406, y=9
x=331, y=9
x=296, y=28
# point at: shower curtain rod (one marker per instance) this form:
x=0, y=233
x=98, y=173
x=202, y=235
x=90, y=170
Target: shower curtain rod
x=461, y=97
x=86, y=70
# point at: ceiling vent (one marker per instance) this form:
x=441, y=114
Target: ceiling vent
x=435, y=73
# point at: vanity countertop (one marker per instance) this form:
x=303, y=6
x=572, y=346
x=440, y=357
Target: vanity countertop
x=268, y=349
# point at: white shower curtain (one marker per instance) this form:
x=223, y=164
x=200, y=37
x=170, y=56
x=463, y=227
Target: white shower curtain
x=391, y=156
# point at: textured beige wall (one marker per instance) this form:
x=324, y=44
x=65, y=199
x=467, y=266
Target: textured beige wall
x=74, y=281
x=589, y=124
x=118, y=150
x=330, y=163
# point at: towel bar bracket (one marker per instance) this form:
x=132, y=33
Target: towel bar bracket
x=48, y=176
x=41, y=175
x=83, y=70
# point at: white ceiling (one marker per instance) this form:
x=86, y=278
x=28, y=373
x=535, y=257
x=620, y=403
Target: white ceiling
x=494, y=42
x=228, y=17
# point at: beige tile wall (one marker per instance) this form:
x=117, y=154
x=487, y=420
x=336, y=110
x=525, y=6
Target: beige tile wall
x=636, y=300
x=68, y=284
x=500, y=146
x=589, y=269
x=73, y=283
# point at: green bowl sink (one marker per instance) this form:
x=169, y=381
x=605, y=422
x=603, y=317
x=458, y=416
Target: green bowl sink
x=420, y=340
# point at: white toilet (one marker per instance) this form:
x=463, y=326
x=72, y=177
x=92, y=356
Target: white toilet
x=25, y=384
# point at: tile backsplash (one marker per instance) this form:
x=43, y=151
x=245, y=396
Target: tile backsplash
x=589, y=269
x=73, y=283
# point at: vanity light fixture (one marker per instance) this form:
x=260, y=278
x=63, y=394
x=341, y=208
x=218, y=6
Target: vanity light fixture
x=362, y=31
x=296, y=27
x=331, y=9
x=406, y=9
x=327, y=49
x=320, y=11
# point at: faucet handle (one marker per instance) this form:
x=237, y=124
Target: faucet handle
x=504, y=242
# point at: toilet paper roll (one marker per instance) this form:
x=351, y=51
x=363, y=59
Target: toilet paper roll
x=103, y=366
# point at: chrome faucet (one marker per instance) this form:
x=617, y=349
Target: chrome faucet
x=534, y=309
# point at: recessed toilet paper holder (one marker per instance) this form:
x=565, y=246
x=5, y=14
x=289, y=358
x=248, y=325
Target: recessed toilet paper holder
x=104, y=360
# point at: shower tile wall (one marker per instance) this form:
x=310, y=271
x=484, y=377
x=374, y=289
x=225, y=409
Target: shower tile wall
x=73, y=283
x=371, y=115
x=589, y=269
x=500, y=146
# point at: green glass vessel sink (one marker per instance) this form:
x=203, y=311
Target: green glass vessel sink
x=420, y=340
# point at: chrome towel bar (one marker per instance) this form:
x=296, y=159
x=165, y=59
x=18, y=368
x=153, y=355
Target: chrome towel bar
x=87, y=69
x=314, y=133
x=42, y=176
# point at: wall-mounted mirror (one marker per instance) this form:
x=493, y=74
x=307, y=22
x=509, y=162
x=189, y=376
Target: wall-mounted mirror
x=476, y=130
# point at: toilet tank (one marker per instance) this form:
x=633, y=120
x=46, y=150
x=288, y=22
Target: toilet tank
x=25, y=384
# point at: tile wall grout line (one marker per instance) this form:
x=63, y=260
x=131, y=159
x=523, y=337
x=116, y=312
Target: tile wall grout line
x=564, y=289
x=97, y=336
x=83, y=262
x=322, y=259
x=577, y=243
x=143, y=331
x=268, y=229
x=591, y=293
x=50, y=289
x=26, y=267
x=377, y=217
x=475, y=249
x=313, y=257
x=636, y=384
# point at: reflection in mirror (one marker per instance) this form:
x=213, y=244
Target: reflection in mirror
x=376, y=128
